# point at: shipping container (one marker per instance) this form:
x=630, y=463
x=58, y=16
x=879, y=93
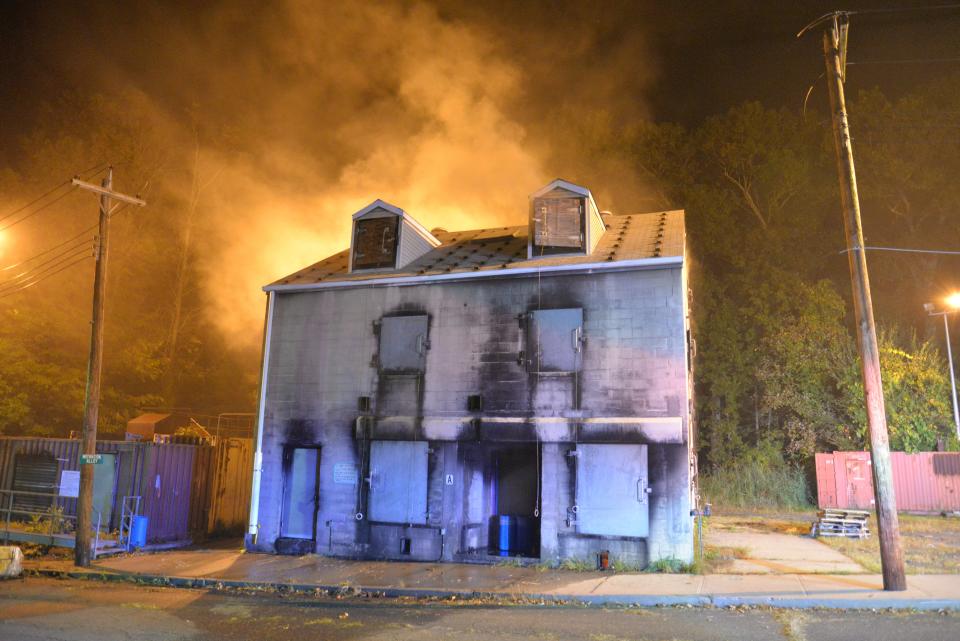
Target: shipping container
x=923, y=482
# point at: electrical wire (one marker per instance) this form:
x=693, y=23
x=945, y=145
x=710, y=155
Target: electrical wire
x=944, y=252
x=96, y=169
x=54, y=273
x=40, y=275
x=854, y=12
x=905, y=61
x=33, y=202
x=935, y=7
x=56, y=256
x=48, y=250
x=59, y=260
x=39, y=209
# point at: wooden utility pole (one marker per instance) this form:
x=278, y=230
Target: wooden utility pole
x=83, y=550
x=888, y=524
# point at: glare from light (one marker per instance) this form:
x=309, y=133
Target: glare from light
x=953, y=300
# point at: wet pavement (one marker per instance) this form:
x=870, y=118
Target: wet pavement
x=233, y=566
x=70, y=610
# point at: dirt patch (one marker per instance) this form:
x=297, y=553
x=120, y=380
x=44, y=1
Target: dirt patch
x=761, y=524
x=931, y=545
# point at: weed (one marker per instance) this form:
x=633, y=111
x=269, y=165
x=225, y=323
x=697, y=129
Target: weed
x=578, y=565
x=669, y=565
x=758, y=484
x=50, y=522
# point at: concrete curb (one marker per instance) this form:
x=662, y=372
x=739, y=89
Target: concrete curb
x=698, y=600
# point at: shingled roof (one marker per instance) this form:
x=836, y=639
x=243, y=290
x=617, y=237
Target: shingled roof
x=495, y=252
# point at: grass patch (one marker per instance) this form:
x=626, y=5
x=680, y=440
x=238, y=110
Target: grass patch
x=757, y=484
x=931, y=545
x=670, y=565
x=578, y=565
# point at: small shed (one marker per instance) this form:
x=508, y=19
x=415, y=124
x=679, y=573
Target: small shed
x=143, y=427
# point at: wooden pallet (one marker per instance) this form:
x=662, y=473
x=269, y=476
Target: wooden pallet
x=845, y=523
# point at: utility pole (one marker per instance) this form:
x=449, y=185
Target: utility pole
x=83, y=550
x=888, y=523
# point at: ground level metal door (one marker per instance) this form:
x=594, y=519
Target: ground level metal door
x=398, y=481
x=613, y=490
x=104, y=488
x=300, y=493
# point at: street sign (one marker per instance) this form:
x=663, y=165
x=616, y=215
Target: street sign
x=90, y=459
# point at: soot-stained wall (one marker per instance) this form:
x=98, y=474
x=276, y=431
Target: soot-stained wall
x=631, y=387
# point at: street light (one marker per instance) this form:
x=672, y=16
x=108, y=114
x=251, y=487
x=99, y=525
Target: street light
x=953, y=301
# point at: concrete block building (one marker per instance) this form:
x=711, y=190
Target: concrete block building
x=462, y=396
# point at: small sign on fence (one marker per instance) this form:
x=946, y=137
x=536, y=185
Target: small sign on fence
x=70, y=483
x=91, y=459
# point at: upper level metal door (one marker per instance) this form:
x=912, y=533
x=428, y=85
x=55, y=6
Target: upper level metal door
x=403, y=344
x=554, y=340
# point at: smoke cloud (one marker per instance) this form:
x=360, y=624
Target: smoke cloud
x=304, y=112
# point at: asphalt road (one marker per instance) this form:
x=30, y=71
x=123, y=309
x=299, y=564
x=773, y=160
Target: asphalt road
x=52, y=609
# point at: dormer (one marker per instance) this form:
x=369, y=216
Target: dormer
x=564, y=219
x=386, y=237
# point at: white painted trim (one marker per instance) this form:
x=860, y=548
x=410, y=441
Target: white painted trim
x=430, y=238
x=562, y=184
x=606, y=266
x=379, y=204
x=253, y=525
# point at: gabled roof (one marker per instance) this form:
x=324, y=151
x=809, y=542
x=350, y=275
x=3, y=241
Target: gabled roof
x=393, y=209
x=562, y=184
x=631, y=240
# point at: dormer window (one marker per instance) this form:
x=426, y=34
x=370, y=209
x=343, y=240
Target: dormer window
x=563, y=220
x=375, y=243
x=558, y=225
x=386, y=237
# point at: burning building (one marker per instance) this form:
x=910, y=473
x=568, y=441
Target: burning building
x=437, y=395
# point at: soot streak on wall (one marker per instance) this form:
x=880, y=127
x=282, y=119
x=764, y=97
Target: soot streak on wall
x=633, y=365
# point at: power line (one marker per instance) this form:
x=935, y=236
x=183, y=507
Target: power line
x=853, y=12
x=34, y=201
x=48, y=250
x=944, y=252
x=54, y=273
x=56, y=256
x=39, y=209
x=905, y=61
x=96, y=169
x=935, y=7
x=46, y=271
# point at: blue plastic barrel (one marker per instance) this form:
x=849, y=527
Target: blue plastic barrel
x=505, y=538
x=138, y=531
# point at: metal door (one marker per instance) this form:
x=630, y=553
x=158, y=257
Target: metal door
x=398, y=481
x=403, y=343
x=859, y=483
x=554, y=340
x=613, y=490
x=301, y=498
x=104, y=489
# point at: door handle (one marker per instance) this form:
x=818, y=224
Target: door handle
x=642, y=490
x=576, y=339
x=420, y=343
